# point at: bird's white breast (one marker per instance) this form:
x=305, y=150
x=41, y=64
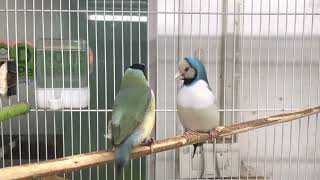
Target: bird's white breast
x=196, y=96
x=196, y=107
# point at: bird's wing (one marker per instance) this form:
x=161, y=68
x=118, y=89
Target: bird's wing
x=129, y=110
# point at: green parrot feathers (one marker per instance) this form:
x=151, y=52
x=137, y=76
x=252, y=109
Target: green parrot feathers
x=130, y=105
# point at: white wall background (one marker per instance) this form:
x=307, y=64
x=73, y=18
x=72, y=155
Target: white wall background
x=197, y=14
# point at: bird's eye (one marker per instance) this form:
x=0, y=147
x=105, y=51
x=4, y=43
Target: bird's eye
x=186, y=69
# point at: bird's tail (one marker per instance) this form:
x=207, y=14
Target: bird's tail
x=119, y=167
x=203, y=168
x=203, y=159
x=195, y=148
x=122, y=155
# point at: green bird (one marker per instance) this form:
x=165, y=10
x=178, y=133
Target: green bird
x=133, y=114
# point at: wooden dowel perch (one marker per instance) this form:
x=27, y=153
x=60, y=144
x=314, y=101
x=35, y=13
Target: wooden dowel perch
x=82, y=161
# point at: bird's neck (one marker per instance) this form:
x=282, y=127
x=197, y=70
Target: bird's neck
x=188, y=82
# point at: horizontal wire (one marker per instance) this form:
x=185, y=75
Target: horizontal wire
x=159, y=12
x=160, y=110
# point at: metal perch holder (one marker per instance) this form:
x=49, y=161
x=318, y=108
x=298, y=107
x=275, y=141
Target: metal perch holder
x=82, y=161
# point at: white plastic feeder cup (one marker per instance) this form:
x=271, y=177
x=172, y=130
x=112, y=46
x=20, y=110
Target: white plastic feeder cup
x=55, y=104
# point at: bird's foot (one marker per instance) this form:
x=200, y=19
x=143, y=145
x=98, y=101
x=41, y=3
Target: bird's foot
x=215, y=132
x=149, y=142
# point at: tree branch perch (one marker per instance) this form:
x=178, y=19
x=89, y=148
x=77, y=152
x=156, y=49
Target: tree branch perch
x=82, y=161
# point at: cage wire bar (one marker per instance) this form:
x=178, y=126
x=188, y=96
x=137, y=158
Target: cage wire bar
x=262, y=58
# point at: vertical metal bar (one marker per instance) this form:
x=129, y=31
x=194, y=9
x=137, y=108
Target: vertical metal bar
x=276, y=89
x=148, y=38
x=174, y=84
x=165, y=85
x=250, y=75
x=208, y=69
x=301, y=88
x=216, y=84
x=250, y=66
x=131, y=162
x=45, y=80
x=139, y=29
x=122, y=41
x=180, y=37
x=299, y=139
x=131, y=52
x=206, y=162
x=157, y=90
x=307, y=145
x=180, y=34
x=63, y=80
x=200, y=43
x=88, y=79
x=310, y=80
x=105, y=78
x=27, y=78
x=267, y=91
x=51, y=73
x=199, y=57
x=122, y=56
x=259, y=76
x=113, y=51
x=79, y=76
x=191, y=25
x=216, y=49
x=311, y=60
x=97, y=83
x=2, y=144
x=139, y=35
x=316, y=145
x=224, y=67
x=114, y=67
x=293, y=77
x=8, y=46
x=233, y=79
x=17, y=75
x=208, y=39
x=284, y=87
x=242, y=77
x=35, y=78
x=70, y=79
x=310, y=75
x=148, y=74
x=71, y=84
x=139, y=42
x=317, y=129
x=191, y=48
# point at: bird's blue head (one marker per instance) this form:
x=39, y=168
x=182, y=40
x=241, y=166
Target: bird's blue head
x=192, y=70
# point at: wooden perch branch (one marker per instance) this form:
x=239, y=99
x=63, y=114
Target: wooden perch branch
x=81, y=161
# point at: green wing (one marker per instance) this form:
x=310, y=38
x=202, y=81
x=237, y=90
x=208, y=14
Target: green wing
x=129, y=109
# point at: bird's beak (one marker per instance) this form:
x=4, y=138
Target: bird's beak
x=178, y=76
